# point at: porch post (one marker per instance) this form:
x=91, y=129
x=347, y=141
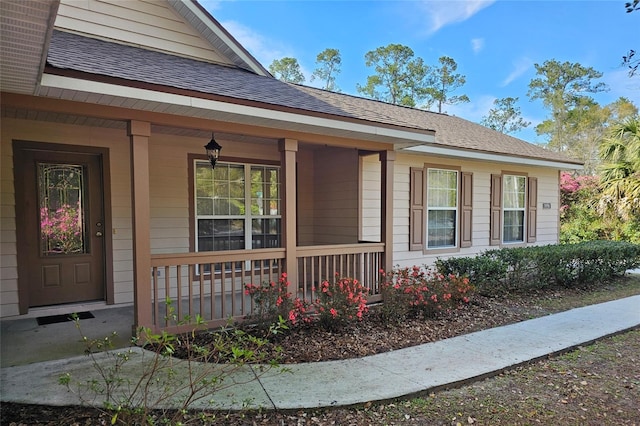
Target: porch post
x=387, y=159
x=139, y=133
x=288, y=149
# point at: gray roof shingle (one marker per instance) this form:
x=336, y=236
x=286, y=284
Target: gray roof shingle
x=101, y=58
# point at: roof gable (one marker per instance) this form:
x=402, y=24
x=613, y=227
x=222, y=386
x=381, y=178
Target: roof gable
x=177, y=27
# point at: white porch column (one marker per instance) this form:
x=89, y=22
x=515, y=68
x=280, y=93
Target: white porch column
x=139, y=133
x=288, y=149
x=387, y=158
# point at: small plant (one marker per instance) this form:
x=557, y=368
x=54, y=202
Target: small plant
x=344, y=299
x=137, y=385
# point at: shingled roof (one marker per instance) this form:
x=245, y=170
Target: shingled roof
x=100, y=58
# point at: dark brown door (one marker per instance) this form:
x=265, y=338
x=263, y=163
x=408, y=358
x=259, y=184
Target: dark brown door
x=63, y=226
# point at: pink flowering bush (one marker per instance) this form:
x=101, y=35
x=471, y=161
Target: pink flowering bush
x=273, y=303
x=576, y=191
x=344, y=299
x=270, y=301
x=416, y=291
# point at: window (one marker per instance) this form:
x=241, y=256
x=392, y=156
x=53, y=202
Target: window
x=441, y=204
x=513, y=212
x=237, y=206
x=442, y=208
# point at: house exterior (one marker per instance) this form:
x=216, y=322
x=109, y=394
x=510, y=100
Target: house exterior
x=108, y=196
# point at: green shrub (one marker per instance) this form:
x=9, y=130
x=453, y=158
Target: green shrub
x=486, y=272
x=567, y=265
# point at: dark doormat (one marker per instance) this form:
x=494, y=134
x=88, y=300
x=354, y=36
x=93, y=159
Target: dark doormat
x=52, y=319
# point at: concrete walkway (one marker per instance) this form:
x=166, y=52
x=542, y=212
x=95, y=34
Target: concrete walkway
x=337, y=383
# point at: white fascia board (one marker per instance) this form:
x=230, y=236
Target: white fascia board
x=79, y=85
x=499, y=158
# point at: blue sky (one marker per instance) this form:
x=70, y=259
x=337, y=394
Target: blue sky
x=495, y=43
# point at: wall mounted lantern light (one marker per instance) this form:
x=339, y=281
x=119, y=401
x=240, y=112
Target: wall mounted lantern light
x=213, y=151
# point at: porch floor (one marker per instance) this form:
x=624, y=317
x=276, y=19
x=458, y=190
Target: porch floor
x=23, y=341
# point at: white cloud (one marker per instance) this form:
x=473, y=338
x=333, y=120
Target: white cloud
x=477, y=44
x=520, y=66
x=620, y=84
x=210, y=5
x=262, y=48
x=443, y=13
x=265, y=50
x=474, y=110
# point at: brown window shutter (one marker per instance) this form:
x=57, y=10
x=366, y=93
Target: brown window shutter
x=532, y=210
x=495, y=214
x=466, y=209
x=417, y=214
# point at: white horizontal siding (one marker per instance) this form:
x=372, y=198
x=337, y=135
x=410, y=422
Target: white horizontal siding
x=370, y=199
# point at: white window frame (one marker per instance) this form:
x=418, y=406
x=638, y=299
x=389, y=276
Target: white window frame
x=522, y=209
x=456, y=209
x=248, y=217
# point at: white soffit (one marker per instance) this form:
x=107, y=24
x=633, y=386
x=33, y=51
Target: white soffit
x=24, y=33
x=486, y=156
x=114, y=95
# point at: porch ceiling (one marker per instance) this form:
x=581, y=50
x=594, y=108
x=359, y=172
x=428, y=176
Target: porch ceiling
x=55, y=117
x=25, y=28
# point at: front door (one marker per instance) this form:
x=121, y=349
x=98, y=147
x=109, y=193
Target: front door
x=63, y=226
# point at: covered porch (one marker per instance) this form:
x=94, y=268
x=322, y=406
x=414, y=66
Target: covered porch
x=320, y=233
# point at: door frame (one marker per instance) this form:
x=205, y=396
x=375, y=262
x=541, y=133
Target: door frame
x=20, y=147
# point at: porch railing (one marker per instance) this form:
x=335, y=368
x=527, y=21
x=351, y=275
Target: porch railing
x=319, y=263
x=211, y=284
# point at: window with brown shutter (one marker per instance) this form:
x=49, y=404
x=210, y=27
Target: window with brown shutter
x=515, y=221
x=441, y=207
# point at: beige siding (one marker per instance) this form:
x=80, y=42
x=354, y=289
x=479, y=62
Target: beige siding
x=336, y=196
x=8, y=250
x=152, y=24
x=547, y=193
x=169, y=193
x=305, y=209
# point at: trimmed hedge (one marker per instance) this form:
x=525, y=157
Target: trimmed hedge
x=566, y=265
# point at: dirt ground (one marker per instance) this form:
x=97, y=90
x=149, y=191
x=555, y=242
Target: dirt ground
x=593, y=385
